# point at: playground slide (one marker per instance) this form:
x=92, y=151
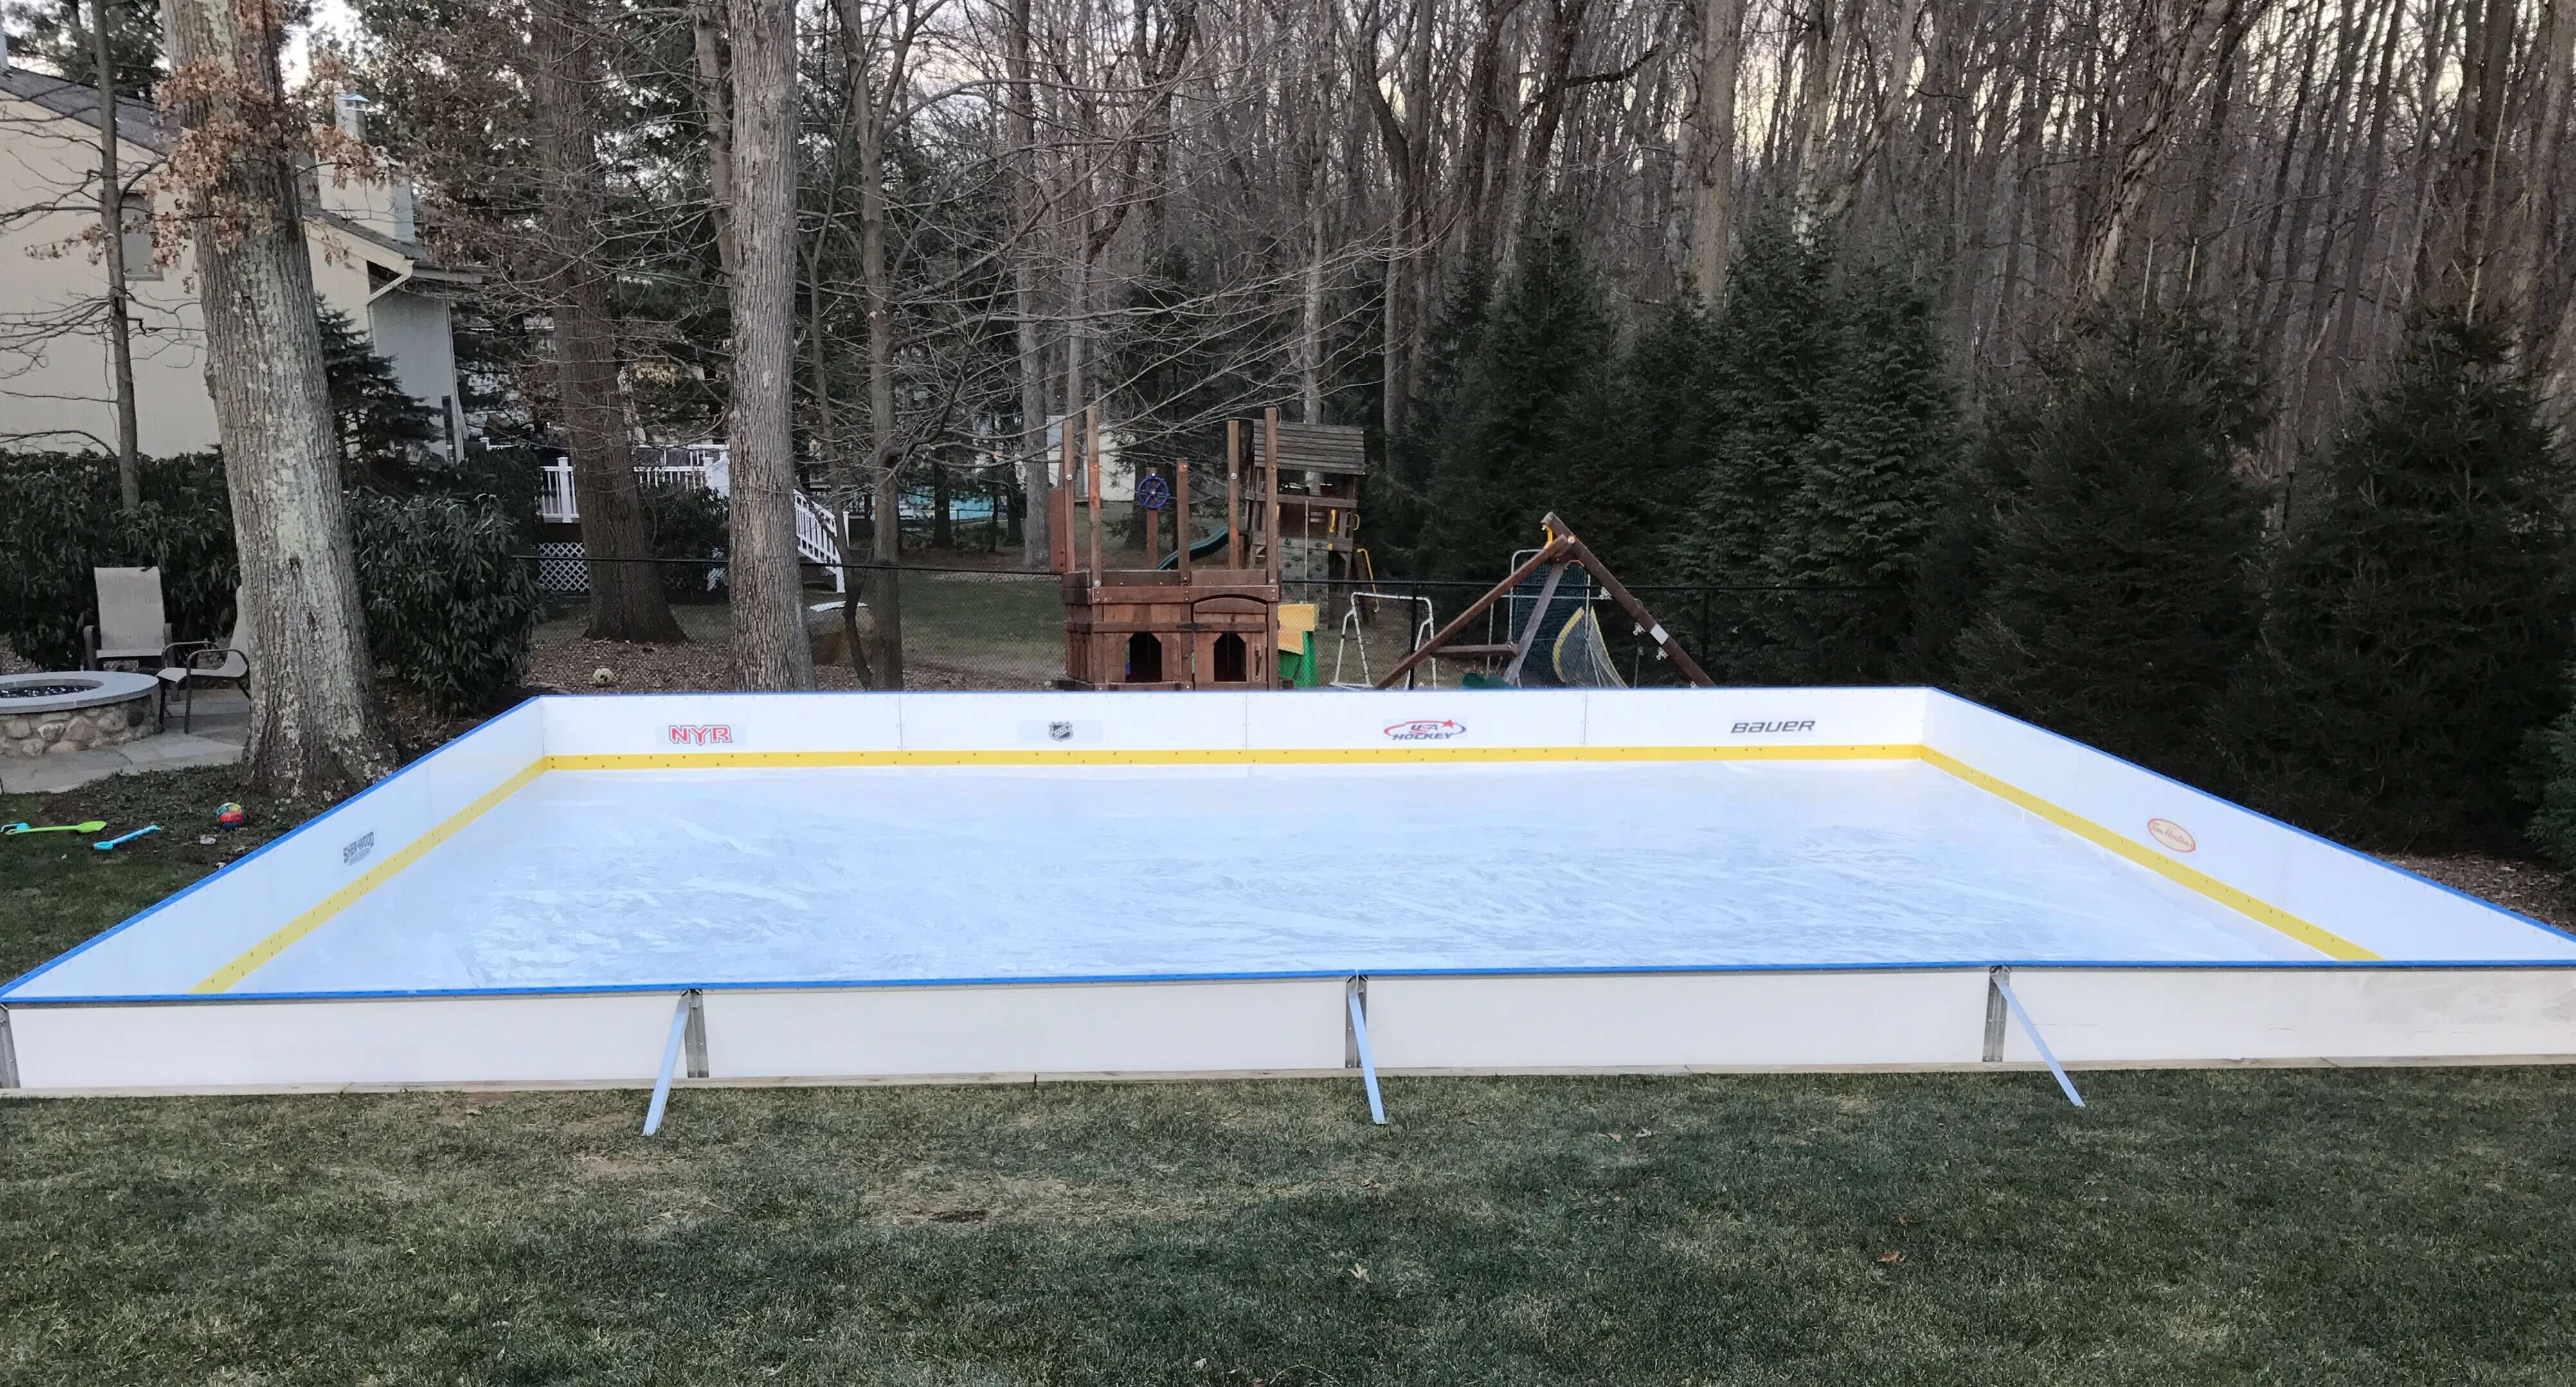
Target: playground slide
x=1207, y=548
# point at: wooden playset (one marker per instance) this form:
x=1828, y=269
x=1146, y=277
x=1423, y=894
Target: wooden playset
x=1190, y=625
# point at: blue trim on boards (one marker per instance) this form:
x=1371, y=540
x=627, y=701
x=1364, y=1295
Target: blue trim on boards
x=2515, y=915
x=256, y=853
x=1298, y=975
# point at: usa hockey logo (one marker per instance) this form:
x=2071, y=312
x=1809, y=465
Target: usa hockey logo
x=1426, y=730
x=701, y=734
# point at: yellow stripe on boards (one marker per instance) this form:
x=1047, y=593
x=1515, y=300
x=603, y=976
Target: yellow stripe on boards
x=1220, y=756
x=2325, y=942
x=223, y=978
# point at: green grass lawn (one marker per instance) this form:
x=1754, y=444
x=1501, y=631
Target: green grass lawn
x=2392, y=1226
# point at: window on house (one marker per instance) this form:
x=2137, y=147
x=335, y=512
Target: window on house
x=139, y=265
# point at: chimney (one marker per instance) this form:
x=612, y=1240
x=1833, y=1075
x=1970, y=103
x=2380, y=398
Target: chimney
x=352, y=109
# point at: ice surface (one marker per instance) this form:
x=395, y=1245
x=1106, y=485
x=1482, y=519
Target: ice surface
x=674, y=877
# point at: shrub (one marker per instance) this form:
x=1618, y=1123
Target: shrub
x=450, y=604
x=680, y=523
x=62, y=520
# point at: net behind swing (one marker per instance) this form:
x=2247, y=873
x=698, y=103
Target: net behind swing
x=1580, y=658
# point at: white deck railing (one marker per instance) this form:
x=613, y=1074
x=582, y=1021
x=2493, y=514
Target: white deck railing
x=817, y=530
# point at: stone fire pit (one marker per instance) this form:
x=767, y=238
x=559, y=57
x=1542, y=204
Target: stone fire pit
x=58, y=714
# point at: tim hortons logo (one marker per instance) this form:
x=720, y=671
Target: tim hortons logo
x=701, y=734
x=2173, y=837
x=1426, y=730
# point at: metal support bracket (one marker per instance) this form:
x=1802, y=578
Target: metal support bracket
x=8, y=1053
x=1355, y=998
x=1356, y=988
x=1996, y=1014
x=2047, y=1056
x=695, y=1042
x=670, y=1060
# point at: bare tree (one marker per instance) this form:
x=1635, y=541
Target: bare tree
x=111, y=235
x=316, y=730
x=769, y=644
x=626, y=601
x=1721, y=41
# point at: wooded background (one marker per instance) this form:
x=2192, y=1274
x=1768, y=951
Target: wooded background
x=1193, y=207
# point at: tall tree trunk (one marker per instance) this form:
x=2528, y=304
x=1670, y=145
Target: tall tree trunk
x=1027, y=204
x=316, y=731
x=1814, y=117
x=2539, y=279
x=885, y=441
x=2453, y=268
x=626, y=601
x=707, y=75
x=2365, y=222
x=111, y=231
x=2184, y=30
x=770, y=650
x=1721, y=57
x=1892, y=99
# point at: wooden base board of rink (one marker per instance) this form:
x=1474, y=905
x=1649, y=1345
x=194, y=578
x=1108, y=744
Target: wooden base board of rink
x=1309, y=1075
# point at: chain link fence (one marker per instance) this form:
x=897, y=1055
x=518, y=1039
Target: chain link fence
x=1002, y=627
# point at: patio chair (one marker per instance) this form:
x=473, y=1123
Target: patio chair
x=131, y=624
x=189, y=663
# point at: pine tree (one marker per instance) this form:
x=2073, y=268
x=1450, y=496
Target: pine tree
x=2419, y=613
x=2118, y=594
x=1868, y=485
x=1776, y=342
x=1651, y=469
x=1533, y=406
x=382, y=428
x=1399, y=502
x=2549, y=784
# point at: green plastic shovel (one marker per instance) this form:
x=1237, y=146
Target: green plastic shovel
x=92, y=826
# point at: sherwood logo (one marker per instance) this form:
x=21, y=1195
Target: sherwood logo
x=1743, y=727
x=701, y=734
x=1426, y=730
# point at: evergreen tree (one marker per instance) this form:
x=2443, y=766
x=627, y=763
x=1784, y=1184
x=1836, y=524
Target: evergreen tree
x=1833, y=424
x=1868, y=484
x=1532, y=409
x=1399, y=498
x=2118, y=594
x=2419, y=613
x=2549, y=783
x=382, y=428
x=1776, y=344
x=1650, y=469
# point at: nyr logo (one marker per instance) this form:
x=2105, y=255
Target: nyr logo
x=1426, y=730
x=701, y=734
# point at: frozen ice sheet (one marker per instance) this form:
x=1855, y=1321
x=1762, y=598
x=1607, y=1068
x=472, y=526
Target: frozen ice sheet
x=665, y=877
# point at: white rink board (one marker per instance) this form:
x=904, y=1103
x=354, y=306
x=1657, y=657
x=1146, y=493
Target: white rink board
x=227, y=1046
x=1095, y=1028
x=1631, y=1021
x=2122, y=1016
